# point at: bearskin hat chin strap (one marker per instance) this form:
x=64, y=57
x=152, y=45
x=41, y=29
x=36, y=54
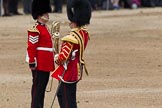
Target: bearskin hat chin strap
x=44, y=18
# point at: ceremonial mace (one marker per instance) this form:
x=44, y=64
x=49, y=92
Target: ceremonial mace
x=55, y=31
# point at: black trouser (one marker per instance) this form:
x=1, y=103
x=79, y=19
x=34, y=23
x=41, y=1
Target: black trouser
x=27, y=6
x=5, y=6
x=13, y=6
x=67, y=95
x=40, y=80
x=58, y=6
x=127, y=3
x=93, y=4
x=148, y=3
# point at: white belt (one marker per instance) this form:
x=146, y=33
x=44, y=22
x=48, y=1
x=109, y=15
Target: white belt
x=45, y=49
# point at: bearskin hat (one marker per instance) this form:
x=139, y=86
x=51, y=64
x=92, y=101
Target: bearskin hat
x=79, y=11
x=39, y=7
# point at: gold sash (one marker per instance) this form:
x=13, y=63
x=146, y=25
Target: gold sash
x=81, y=44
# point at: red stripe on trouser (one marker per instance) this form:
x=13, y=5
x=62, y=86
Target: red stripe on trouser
x=66, y=101
x=34, y=89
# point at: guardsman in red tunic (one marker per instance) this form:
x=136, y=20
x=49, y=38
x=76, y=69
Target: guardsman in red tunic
x=40, y=53
x=70, y=59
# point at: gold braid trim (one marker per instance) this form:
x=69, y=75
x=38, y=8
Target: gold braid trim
x=81, y=44
x=67, y=52
x=70, y=38
x=34, y=29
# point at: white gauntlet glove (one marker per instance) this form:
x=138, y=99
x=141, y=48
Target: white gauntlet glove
x=56, y=57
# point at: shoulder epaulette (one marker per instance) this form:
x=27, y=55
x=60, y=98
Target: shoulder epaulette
x=70, y=38
x=33, y=29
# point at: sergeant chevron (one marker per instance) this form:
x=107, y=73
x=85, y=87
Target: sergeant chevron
x=33, y=39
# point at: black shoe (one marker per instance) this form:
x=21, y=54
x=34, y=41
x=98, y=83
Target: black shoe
x=27, y=13
x=58, y=11
x=17, y=13
x=6, y=14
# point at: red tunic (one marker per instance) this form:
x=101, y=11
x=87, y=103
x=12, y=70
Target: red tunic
x=40, y=47
x=66, y=55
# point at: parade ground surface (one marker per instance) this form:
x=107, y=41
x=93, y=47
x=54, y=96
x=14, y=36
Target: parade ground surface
x=124, y=60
